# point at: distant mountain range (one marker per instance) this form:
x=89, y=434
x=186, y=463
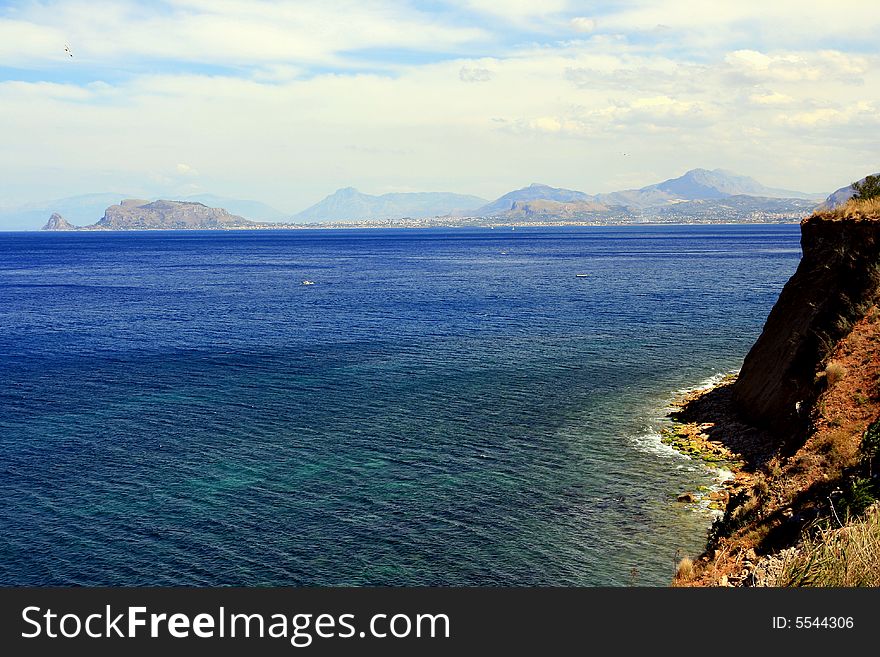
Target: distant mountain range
x=699, y=191
x=698, y=185
x=695, y=185
x=702, y=194
x=349, y=203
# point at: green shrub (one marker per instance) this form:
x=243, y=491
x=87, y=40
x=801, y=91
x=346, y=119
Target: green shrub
x=870, y=188
x=858, y=496
x=870, y=445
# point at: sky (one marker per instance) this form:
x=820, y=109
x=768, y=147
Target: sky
x=284, y=102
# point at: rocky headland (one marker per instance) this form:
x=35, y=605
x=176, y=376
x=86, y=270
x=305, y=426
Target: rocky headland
x=136, y=214
x=133, y=214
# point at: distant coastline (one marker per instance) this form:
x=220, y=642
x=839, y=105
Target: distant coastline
x=427, y=224
x=699, y=196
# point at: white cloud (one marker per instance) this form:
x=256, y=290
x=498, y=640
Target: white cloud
x=517, y=10
x=771, y=98
x=288, y=113
x=229, y=32
x=474, y=74
x=185, y=170
x=781, y=24
x=583, y=24
x=546, y=124
x=796, y=67
x=856, y=115
x=24, y=42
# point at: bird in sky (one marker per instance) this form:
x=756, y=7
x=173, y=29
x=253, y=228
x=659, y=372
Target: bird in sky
x=68, y=50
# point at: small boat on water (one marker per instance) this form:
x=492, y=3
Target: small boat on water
x=308, y=282
x=582, y=275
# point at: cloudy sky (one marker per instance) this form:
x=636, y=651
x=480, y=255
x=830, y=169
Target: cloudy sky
x=286, y=101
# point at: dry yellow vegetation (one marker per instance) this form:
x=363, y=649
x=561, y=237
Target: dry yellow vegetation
x=854, y=209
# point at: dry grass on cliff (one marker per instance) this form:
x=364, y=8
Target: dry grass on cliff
x=847, y=556
x=854, y=209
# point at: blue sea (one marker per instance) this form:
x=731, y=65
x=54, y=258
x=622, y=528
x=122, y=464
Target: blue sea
x=441, y=407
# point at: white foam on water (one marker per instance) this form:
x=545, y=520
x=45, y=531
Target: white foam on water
x=723, y=475
x=651, y=442
x=706, y=384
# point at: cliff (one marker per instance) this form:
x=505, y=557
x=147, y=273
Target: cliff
x=135, y=214
x=836, y=282
x=803, y=420
x=57, y=222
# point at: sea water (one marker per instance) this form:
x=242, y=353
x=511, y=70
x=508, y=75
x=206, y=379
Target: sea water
x=441, y=406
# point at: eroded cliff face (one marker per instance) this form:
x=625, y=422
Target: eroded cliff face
x=837, y=281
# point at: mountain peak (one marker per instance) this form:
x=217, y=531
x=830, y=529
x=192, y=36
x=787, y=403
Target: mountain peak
x=57, y=222
x=534, y=192
x=704, y=184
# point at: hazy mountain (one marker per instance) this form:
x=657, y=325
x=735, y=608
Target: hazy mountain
x=534, y=192
x=137, y=214
x=535, y=202
x=57, y=222
x=644, y=198
x=842, y=195
x=84, y=209
x=704, y=184
x=349, y=203
x=255, y=210
x=541, y=210
x=696, y=185
x=739, y=207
